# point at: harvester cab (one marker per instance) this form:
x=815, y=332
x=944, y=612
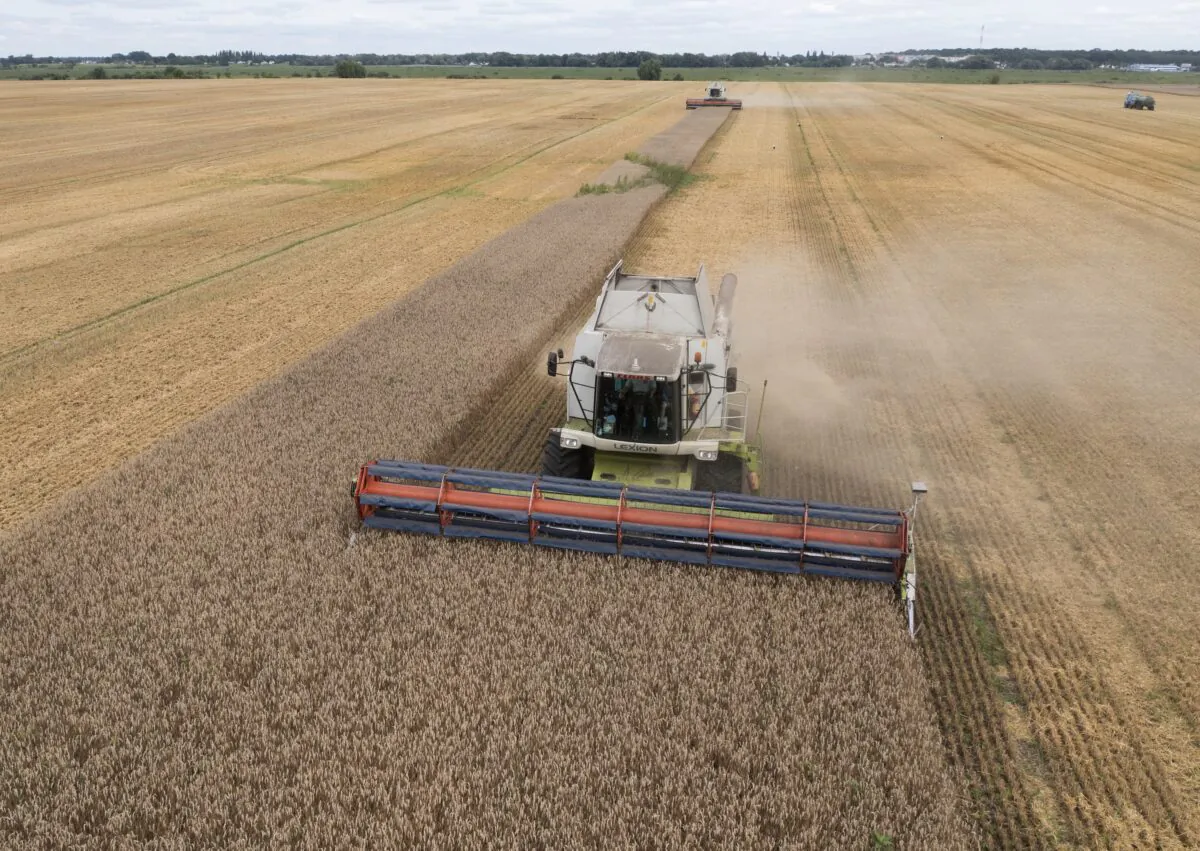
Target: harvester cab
x=652, y=390
x=653, y=461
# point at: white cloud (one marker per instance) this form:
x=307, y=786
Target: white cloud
x=100, y=27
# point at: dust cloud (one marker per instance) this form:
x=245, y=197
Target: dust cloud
x=855, y=363
x=835, y=95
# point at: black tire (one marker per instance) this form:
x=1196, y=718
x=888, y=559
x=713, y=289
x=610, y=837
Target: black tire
x=725, y=475
x=565, y=463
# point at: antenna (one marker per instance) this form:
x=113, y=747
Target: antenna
x=981, y=37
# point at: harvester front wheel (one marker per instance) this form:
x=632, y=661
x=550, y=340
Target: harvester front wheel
x=565, y=463
x=725, y=475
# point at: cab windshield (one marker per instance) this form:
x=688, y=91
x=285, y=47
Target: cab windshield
x=641, y=410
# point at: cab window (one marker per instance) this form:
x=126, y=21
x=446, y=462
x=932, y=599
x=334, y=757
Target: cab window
x=640, y=410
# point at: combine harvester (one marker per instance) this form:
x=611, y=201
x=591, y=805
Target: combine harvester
x=654, y=461
x=715, y=97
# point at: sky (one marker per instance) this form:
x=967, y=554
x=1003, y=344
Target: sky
x=104, y=27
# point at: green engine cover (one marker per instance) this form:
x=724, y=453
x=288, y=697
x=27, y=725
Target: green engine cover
x=651, y=471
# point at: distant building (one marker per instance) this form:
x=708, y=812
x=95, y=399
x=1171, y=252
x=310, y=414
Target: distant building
x=1141, y=66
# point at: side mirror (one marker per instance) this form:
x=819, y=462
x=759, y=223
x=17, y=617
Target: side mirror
x=731, y=380
x=552, y=364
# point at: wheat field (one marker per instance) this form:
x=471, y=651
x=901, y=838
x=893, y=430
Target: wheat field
x=985, y=288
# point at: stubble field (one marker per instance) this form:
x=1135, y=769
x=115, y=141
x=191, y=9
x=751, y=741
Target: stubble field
x=988, y=289
x=165, y=247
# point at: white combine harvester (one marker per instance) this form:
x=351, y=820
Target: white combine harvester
x=653, y=393
x=653, y=461
x=715, y=96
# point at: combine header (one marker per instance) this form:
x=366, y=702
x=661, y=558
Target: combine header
x=653, y=461
x=715, y=97
x=715, y=529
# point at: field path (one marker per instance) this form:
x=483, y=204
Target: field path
x=989, y=289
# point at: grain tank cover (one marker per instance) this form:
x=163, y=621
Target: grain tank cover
x=672, y=306
x=643, y=356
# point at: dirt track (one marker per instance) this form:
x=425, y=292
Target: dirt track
x=166, y=245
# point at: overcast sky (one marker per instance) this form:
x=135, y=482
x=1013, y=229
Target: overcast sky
x=103, y=27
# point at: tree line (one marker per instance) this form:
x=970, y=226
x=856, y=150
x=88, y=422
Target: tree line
x=1010, y=57
x=503, y=59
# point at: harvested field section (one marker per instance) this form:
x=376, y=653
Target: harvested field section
x=986, y=289
x=208, y=241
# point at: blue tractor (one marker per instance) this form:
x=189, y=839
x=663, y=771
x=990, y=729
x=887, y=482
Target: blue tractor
x=1136, y=100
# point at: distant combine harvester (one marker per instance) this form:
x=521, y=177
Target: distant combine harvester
x=714, y=97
